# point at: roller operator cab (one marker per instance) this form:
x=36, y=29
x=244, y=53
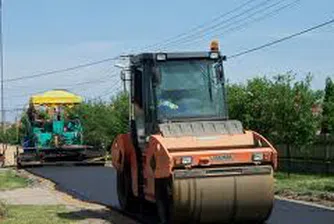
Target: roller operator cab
x=182, y=152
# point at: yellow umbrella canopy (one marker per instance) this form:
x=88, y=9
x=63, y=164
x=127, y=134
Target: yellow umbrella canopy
x=55, y=97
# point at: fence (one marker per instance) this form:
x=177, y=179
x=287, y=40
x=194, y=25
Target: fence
x=315, y=158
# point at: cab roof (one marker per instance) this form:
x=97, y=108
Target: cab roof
x=174, y=55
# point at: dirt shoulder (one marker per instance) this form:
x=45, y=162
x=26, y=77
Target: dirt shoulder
x=41, y=195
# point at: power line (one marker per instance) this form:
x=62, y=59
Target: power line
x=282, y=39
x=269, y=14
x=15, y=109
x=105, y=93
x=74, y=85
x=108, y=91
x=61, y=70
x=199, y=26
x=104, y=70
x=68, y=87
x=214, y=26
x=221, y=24
x=230, y=26
x=113, y=89
x=247, y=23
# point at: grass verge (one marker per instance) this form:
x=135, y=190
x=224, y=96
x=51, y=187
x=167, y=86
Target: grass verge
x=28, y=214
x=3, y=210
x=307, y=187
x=10, y=180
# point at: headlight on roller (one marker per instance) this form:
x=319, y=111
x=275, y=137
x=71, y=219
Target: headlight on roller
x=187, y=160
x=257, y=156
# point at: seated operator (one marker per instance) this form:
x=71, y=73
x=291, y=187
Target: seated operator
x=183, y=102
x=166, y=105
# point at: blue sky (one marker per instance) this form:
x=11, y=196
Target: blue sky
x=42, y=35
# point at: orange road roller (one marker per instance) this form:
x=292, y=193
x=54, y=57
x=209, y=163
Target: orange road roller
x=182, y=152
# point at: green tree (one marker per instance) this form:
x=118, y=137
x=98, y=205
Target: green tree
x=295, y=122
x=10, y=136
x=327, y=124
x=249, y=103
x=103, y=121
x=278, y=108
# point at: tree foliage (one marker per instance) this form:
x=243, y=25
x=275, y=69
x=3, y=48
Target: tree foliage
x=327, y=124
x=103, y=121
x=10, y=136
x=279, y=108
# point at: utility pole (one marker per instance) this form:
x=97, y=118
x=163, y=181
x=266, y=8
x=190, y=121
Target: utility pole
x=1, y=71
x=123, y=75
x=124, y=71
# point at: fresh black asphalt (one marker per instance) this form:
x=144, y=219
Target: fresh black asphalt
x=98, y=184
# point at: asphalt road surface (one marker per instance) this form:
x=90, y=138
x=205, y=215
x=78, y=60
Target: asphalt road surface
x=98, y=184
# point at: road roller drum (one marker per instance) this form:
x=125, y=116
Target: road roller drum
x=241, y=194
